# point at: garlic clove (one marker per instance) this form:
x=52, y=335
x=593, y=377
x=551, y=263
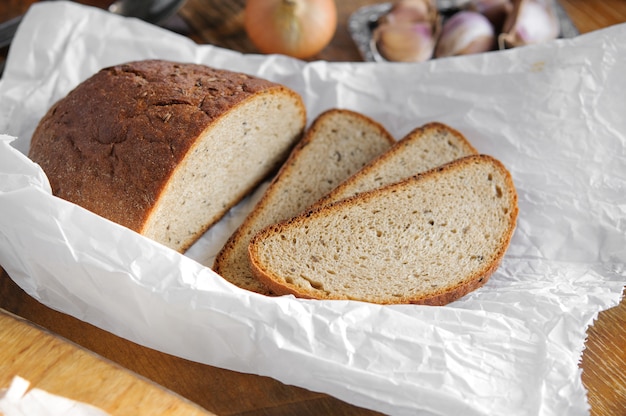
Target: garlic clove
x=465, y=32
x=411, y=11
x=494, y=10
x=408, y=32
x=530, y=22
x=408, y=42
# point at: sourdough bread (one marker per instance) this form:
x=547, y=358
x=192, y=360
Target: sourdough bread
x=337, y=144
x=424, y=148
x=166, y=148
x=429, y=239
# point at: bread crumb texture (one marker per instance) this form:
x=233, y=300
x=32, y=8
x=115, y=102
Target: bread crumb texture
x=338, y=143
x=429, y=239
x=424, y=148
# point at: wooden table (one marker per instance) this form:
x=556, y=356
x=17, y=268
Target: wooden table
x=230, y=393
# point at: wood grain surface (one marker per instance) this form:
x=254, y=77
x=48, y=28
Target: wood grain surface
x=230, y=393
x=62, y=368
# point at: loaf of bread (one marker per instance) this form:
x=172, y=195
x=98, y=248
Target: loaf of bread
x=429, y=239
x=424, y=148
x=166, y=148
x=337, y=144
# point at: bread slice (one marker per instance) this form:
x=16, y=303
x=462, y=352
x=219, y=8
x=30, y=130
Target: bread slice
x=166, y=148
x=338, y=143
x=424, y=148
x=429, y=239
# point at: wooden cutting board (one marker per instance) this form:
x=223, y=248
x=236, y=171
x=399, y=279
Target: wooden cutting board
x=62, y=368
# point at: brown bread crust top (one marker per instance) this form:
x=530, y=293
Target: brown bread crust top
x=119, y=135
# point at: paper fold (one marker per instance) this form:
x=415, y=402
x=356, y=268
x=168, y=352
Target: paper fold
x=548, y=112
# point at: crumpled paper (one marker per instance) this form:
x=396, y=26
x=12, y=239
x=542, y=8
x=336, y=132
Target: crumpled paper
x=18, y=400
x=552, y=113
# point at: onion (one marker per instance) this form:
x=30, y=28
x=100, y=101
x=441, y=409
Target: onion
x=410, y=11
x=298, y=28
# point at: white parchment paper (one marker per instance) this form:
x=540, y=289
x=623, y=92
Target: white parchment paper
x=553, y=114
x=20, y=400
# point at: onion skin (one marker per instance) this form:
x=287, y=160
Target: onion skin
x=297, y=28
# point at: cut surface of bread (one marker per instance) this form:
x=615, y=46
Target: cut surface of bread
x=337, y=144
x=429, y=239
x=166, y=148
x=424, y=148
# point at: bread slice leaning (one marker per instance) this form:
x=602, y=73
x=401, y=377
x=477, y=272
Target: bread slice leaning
x=429, y=239
x=423, y=148
x=337, y=144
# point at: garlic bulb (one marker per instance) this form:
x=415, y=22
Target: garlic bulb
x=408, y=32
x=298, y=28
x=530, y=22
x=494, y=10
x=410, y=11
x=466, y=32
x=410, y=42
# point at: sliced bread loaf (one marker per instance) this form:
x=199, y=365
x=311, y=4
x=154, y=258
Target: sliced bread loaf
x=429, y=239
x=338, y=143
x=166, y=148
x=424, y=148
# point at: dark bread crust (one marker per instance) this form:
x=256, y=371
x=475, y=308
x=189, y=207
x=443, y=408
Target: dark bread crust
x=438, y=298
x=113, y=142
